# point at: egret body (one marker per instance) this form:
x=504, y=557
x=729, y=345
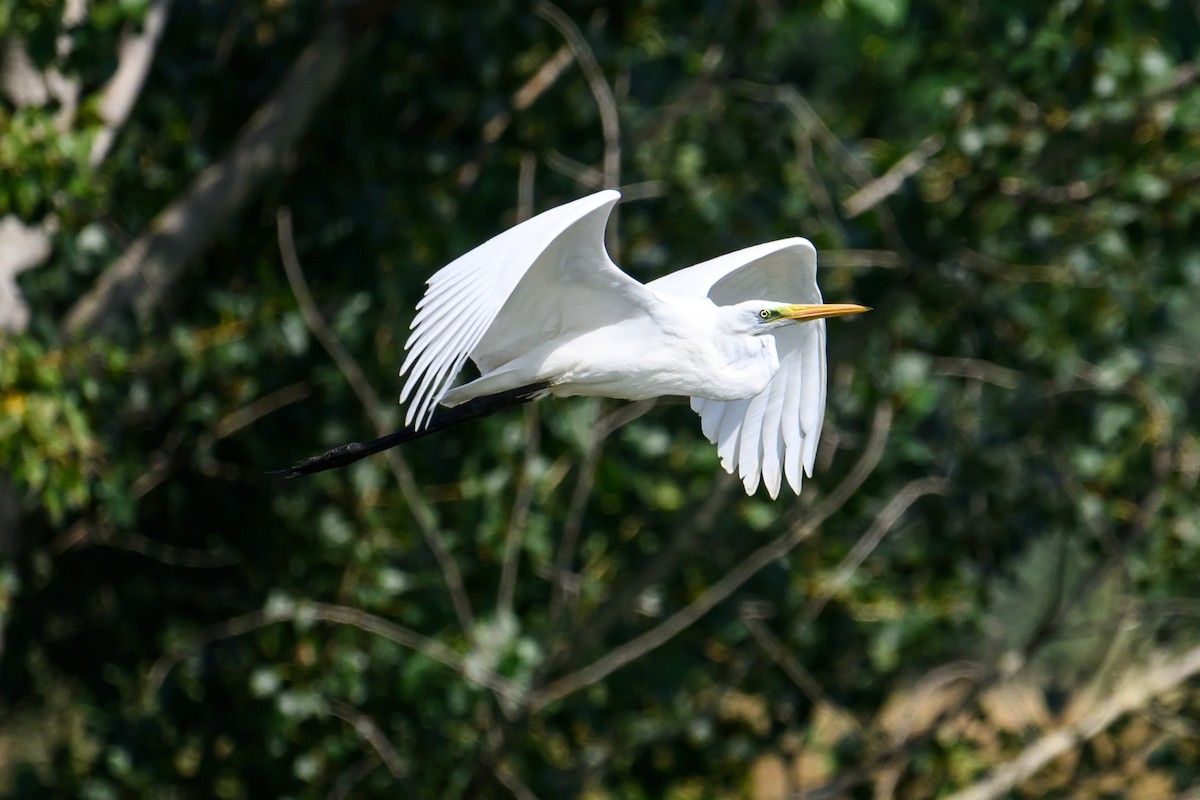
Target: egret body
x=542, y=310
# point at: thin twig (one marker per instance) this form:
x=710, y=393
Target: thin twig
x=688, y=534
x=569, y=540
x=850, y=164
x=890, y=182
x=369, y=400
x=370, y=733
x=791, y=666
x=861, y=259
x=588, y=177
x=524, y=496
x=819, y=194
x=605, y=101
x=977, y=370
x=715, y=67
x=507, y=776
x=339, y=615
x=350, y=778
x=883, y=522
x=103, y=533
x=727, y=585
x=260, y=407
x=807, y=116
x=545, y=77
x=520, y=514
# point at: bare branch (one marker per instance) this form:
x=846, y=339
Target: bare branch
x=1024, y=273
x=546, y=76
x=431, y=648
x=507, y=776
x=623, y=598
x=861, y=259
x=543, y=79
x=727, y=585
x=883, y=522
x=978, y=370
x=263, y=406
x=370, y=733
x=349, y=779
x=587, y=177
x=605, y=101
x=525, y=183
x=317, y=323
x=22, y=247
x=141, y=277
x=890, y=182
x=369, y=400
x=1138, y=688
x=520, y=514
x=524, y=497
x=807, y=116
x=338, y=615
x=791, y=666
x=851, y=165
x=103, y=533
x=134, y=56
x=569, y=541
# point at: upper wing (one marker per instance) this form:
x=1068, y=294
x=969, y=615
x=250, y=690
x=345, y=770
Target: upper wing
x=496, y=301
x=775, y=433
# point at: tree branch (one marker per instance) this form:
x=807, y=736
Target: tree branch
x=370, y=733
x=573, y=524
x=727, y=585
x=1137, y=689
x=883, y=522
x=890, y=182
x=141, y=277
x=22, y=247
x=338, y=615
x=791, y=666
x=546, y=76
x=369, y=400
x=136, y=53
x=605, y=101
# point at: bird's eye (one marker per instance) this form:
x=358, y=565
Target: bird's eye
x=764, y=314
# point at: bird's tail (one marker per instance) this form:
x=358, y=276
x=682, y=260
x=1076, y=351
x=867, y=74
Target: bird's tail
x=442, y=418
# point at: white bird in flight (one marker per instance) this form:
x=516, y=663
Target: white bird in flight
x=542, y=310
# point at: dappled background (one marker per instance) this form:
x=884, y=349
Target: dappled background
x=216, y=217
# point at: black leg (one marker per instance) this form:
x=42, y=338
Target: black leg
x=443, y=418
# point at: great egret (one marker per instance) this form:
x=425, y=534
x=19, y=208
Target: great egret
x=542, y=310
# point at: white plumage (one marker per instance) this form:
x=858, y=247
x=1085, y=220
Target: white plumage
x=742, y=335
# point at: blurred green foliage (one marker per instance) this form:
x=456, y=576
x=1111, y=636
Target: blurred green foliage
x=170, y=610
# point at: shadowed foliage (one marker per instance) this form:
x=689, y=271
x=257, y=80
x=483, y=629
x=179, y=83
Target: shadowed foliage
x=989, y=588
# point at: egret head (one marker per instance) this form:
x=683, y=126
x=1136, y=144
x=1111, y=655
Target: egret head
x=763, y=316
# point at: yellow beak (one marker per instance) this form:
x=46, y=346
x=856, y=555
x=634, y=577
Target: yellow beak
x=802, y=312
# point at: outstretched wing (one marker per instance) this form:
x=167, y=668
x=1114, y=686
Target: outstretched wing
x=496, y=301
x=775, y=433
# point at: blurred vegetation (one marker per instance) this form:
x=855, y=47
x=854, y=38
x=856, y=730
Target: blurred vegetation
x=1012, y=187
